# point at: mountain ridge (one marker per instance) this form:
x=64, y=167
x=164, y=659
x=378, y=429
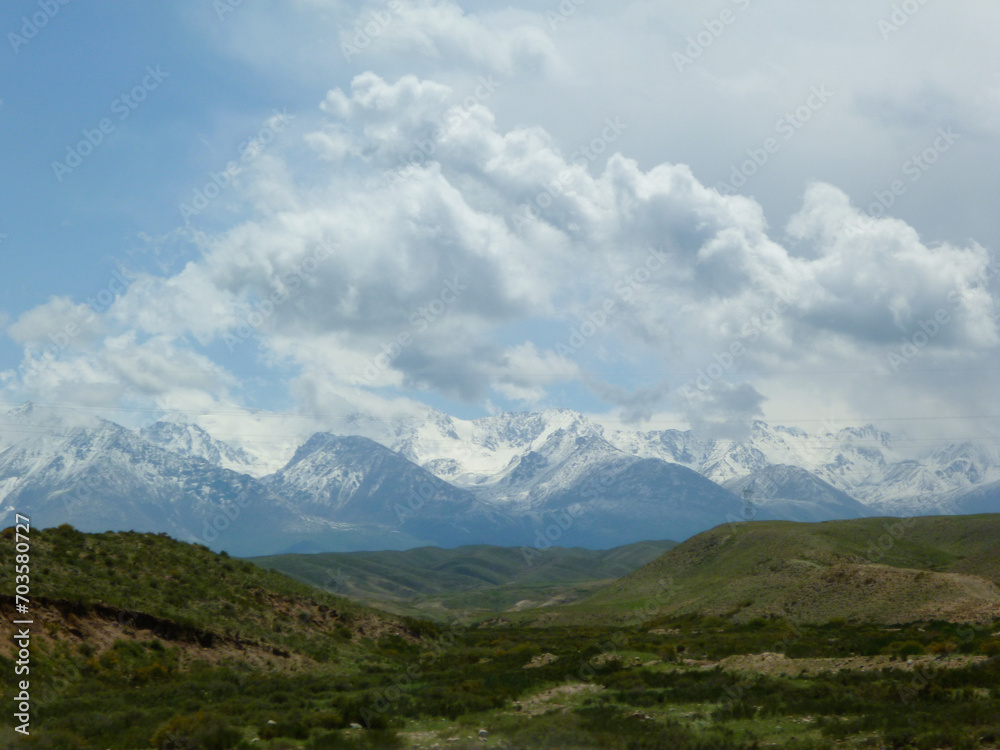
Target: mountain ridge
x=530, y=479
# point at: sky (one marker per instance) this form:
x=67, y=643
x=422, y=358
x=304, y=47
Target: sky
x=685, y=215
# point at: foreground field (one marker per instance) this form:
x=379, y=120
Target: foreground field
x=143, y=642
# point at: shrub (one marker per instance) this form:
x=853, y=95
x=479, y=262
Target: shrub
x=202, y=731
x=903, y=649
x=291, y=728
x=939, y=647
x=376, y=739
x=990, y=647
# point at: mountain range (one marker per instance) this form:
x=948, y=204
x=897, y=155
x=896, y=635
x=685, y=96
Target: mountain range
x=533, y=480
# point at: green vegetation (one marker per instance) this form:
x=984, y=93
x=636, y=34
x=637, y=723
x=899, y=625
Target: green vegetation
x=431, y=581
x=878, y=569
x=187, y=591
x=248, y=658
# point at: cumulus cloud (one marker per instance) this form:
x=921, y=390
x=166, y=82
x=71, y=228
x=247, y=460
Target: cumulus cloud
x=120, y=367
x=443, y=32
x=435, y=251
x=635, y=406
x=58, y=323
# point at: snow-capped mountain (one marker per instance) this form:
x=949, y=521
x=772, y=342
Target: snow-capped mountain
x=636, y=498
x=862, y=462
x=498, y=452
x=518, y=479
x=984, y=499
x=355, y=480
x=518, y=458
x=192, y=440
x=793, y=493
x=30, y=420
x=104, y=477
x=469, y=452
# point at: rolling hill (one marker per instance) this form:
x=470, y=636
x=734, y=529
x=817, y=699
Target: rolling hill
x=98, y=587
x=877, y=569
x=492, y=578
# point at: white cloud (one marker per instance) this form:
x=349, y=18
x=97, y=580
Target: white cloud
x=459, y=224
x=58, y=323
x=446, y=34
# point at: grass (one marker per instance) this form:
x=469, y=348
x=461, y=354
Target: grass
x=651, y=680
x=872, y=569
x=432, y=582
x=140, y=575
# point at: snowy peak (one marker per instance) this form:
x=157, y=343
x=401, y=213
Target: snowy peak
x=31, y=420
x=192, y=440
x=968, y=463
x=867, y=433
x=352, y=479
x=429, y=478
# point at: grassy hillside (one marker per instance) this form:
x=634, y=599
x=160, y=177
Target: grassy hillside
x=150, y=576
x=120, y=619
x=141, y=642
x=433, y=580
x=876, y=569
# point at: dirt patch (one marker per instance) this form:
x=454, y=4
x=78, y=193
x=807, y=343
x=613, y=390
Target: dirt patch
x=882, y=593
x=540, y=661
x=99, y=626
x=554, y=698
x=779, y=664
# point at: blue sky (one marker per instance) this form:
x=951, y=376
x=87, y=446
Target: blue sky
x=670, y=216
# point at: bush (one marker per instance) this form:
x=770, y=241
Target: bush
x=903, y=649
x=290, y=728
x=990, y=647
x=202, y=731
x=376, y=739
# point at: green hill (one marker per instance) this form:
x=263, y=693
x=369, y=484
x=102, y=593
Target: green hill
x=431, y=579
x=140, y=642
x=148, y=577
x=133, y=630
x=877, y=569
